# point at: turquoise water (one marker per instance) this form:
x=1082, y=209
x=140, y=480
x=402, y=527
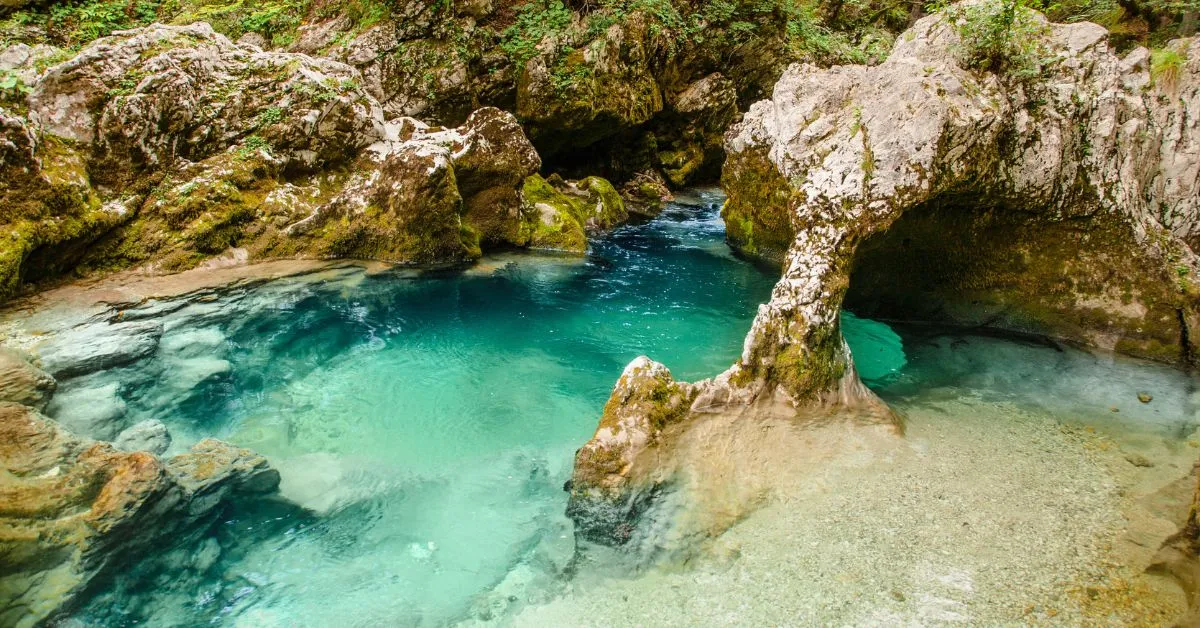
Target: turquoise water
x=427, y=421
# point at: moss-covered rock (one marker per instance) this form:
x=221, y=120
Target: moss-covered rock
x=645, y=194
x=757, y=210
x=193, y=145
x=77, y=510
x=607, y=491
x=551, y=218
x=559, y=214
x=141, y=99
x=49, y=213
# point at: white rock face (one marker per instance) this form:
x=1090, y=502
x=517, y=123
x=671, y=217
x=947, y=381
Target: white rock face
x=1093, y=169
x=855, y=147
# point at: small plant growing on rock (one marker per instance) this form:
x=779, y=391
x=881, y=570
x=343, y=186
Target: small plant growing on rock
x=11, y=86
x=251, y=146
x=269, y=116
x=1001, y=36
x=535, y=22
x=1166, y=64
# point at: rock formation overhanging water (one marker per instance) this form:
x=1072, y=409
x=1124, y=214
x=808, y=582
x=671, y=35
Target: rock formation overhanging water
x=1063, y=204
x=921, y=188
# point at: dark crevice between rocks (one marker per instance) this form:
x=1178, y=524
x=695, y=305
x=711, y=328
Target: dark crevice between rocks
x=619, y=158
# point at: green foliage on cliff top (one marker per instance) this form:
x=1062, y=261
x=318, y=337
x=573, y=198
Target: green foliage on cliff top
x=1001, y=36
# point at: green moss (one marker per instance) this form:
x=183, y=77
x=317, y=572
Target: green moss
x=757, y=210
x=603, y=208
x=680, y=165
x=551, y=217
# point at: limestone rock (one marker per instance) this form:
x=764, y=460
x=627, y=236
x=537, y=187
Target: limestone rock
x=1179, y=556
x=409, y=208
x=612, y=87
x=646, y=193
x=607, y=490
x=92, y=411
x=90, y=348
x=924, y=189
x=142, y=98
x=77, y=509
x=23, y=383
x=559, y=214
x=149, y=435
x=693, y=128
x=166, y=145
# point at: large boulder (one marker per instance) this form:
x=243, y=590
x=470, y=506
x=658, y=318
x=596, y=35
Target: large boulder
x=167, y=145
x=75, y=509
x=139, y=99
x=560, y=214
x=429, y=194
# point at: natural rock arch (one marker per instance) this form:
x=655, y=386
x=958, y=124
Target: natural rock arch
x=1084, y=185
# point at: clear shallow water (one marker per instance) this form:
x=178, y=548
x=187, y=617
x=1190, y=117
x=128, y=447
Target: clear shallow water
x=431, y=420
x=428, y=421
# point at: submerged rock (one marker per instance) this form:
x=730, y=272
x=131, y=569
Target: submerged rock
x=76, y=509
x=90, y=409
x=90, y=348
x=1179, y=556
x=149, y=435
x=22, y=382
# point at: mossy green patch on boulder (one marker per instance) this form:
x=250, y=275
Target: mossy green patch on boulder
x=757, y=210
x=551, y=217
x=559, y=214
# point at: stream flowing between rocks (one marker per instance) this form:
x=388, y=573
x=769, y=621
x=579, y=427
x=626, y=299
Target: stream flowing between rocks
x=426, y=423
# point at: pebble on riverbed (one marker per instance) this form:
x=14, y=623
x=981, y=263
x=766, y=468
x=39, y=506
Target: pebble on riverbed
x=1145, y=397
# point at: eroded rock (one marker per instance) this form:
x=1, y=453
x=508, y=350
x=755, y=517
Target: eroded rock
x=921, y=188
x=608, y=489
x=149, y=435
x=76, y=509
x=22, y=382
x=90, y=348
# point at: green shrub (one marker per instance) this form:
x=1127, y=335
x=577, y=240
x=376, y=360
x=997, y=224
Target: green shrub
x=535, y=22
x=1001, y=36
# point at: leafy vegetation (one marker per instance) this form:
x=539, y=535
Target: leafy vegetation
x=251, y=146
x=536, y=21
x=1002, y=36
